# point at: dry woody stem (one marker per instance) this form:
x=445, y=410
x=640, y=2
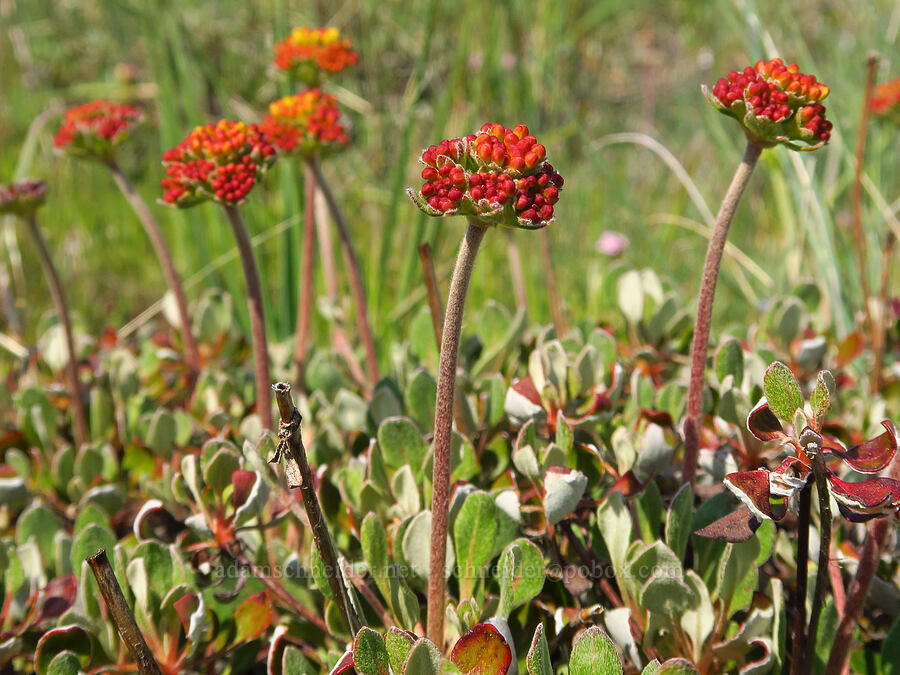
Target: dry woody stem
x=121, y=614
x=257, y=322
x=352, y=263
x=443, y=426
x=151, y=227
x=298, y=474
x=304, y=311
x=62, y=310
x=705, y=305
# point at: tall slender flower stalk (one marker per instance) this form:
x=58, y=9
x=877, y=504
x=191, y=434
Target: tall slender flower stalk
x=23, y=199
x=94, y=131
x=497, y=176
x=223, y=162
x=775, y=104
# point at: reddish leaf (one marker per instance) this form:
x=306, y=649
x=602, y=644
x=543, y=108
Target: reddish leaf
x=59, y=595
x=253, y=617
x=659, y=417
x=243, y=483
x=873, y=455
x=849, y=348
x=763, y=424
x=344, y=664
x=186, y=605
x=867, y=499
x=482, y=651
x=525, y=387
x=752, y=488
x=735, y=527
x=628, y=485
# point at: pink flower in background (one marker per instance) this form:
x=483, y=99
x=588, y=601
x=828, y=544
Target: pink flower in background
x=611, y=243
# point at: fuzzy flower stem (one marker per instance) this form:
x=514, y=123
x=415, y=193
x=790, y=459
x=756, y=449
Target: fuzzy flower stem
x=859, y=588
x=121, y=614
x=824, y=554
x=798, y=647
x=306, y=281
x=443, y=425
x=62, y=310
x=352, y=263
x=151, y=227
x=257, y=322
x=705, y=305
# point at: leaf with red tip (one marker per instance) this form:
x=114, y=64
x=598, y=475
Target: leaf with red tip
x=186, y=605
x=763, y=423
x=873, y=455
x=73, y=638
x=482, y=651
x=344, y=664
x=253, y=617
x=242, y=480
x=735, y=527
x=867, y=499
x=752, y=488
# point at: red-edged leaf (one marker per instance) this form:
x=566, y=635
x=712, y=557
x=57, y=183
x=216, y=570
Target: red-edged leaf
x=525, y=387
x=735, y=527
x=763, y=424
x=628, y=484
x=276, y=651
x=659, y=417
x=753, y=489
x=73, y=638
x=482, y=651
x=344, y=664
x=242, y=481
x=253, y=617
x=873, y=455
x=867, y=499
x=59, y=595
x=186, y=605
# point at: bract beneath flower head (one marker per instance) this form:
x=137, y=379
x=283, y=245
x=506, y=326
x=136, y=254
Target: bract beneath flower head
x=95, y=129
x=498, y=176
x=220, y=162
x=23, y=197
x=305, y=125
x=775, y=104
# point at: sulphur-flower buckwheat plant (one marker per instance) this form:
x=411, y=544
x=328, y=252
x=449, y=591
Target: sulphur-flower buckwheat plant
x=309, y=53
x=95, y=129
x=775, y=103
x=497, y=176
x=306, y=124
x=223, y=162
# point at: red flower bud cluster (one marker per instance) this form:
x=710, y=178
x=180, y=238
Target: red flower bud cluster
x=22, y=198
x=305, y=124
x=310, y=52
x=775, y=103
x=94, y=129
x=498, y=175
x=886, y=99
x=220, y=161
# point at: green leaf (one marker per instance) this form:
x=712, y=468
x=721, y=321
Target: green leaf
x=71, y=638
x=697, y=622
x=39, y=523
x=649, y=510
x=406, y=492
x=521, y=575
x=890, y=650
x=563, y=489
x=65, y=663
x=421, y=394
x=402, y=444
x=730, y=361
x=370, y=656
x=677, y=667
x=615, y=525
x=474, y=533
x=651, y=668
x=375, y=550
x=594, y=653
x=294, y=663
x=90, y=540
x=161, y=433
x=398, y=643
x=385, y=403
x=782, y=391
x=252, y=617
x=738, y=573
x=218, y=470
x=565, y=437
x=678, y=520
x=667, y=595
x=320, y=575
x=820, y=400
x=416, y=546
x=538, y=658
x=631, y=296
x=423, y=659
x=404, y=602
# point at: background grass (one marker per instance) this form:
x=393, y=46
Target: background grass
x=573, y=71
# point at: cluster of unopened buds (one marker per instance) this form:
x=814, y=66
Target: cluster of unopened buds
x=498, y=176
x=306, y=124
x=22, y=198
x=775, y=103
x=95, y=129
x=221, y=161
x=307, y=53
x=886, y=99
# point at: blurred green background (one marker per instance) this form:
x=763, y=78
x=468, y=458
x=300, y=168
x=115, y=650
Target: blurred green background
x=575, y=72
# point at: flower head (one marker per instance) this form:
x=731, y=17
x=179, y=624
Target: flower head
x=498, y=176
x=221, y=161
x=886, y=100
x=310, y=53
x=22, y=198
x=306, y=124
x=775, y=103
x=95, y=129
